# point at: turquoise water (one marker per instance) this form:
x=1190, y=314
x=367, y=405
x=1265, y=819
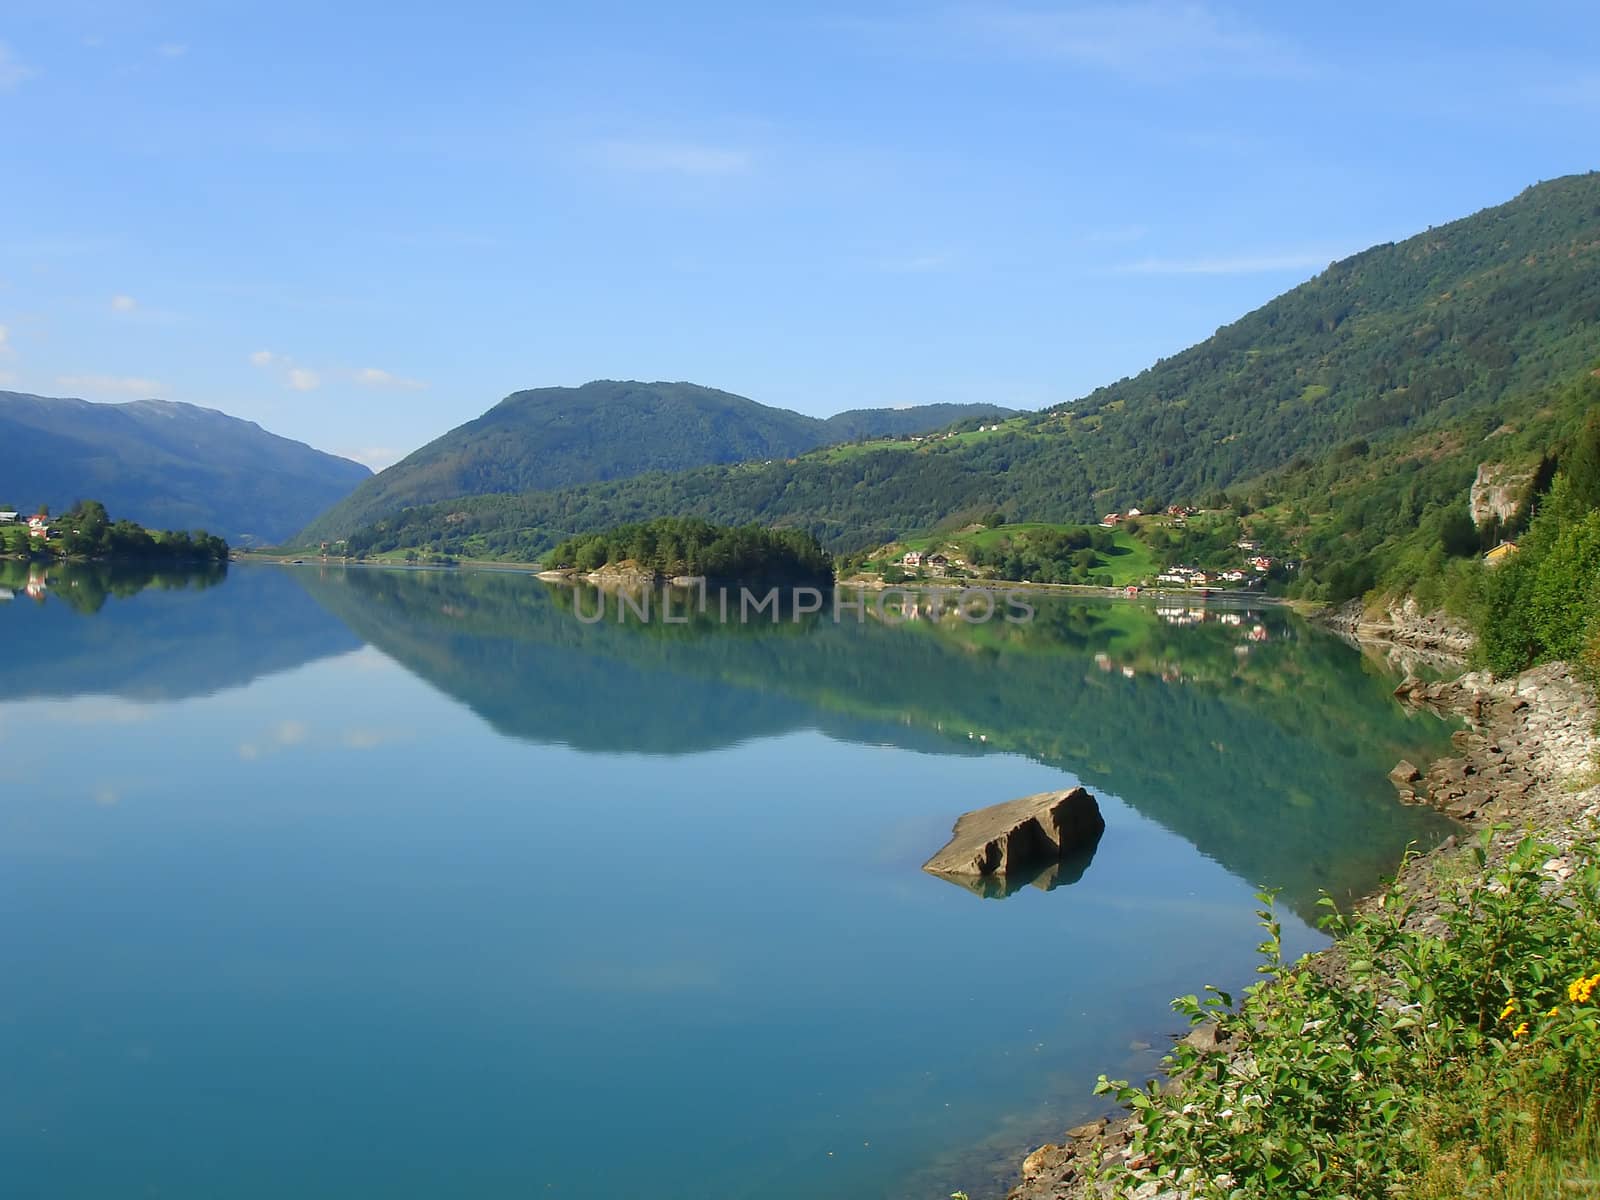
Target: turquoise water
x=324, y=884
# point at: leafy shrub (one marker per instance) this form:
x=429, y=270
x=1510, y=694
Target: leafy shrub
x=1545, y=603
x=1448, y=1053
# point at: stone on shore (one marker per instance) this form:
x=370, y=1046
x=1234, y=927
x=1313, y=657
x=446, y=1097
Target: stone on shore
x=1405, y=772
x=1019, y=837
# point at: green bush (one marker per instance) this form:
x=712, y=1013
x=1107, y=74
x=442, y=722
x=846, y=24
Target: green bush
x=1545, y=603
x=1426, y=1061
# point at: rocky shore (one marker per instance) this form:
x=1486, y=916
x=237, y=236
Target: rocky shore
x=1526, y=763
x=1400, y=623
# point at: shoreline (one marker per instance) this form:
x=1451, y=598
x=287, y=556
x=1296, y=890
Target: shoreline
x=1197, y=595
x=1527, y=740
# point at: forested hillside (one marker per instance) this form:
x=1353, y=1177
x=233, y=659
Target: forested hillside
x=553, y=437
x=1466, y=324
x=165, y=465
x=1395, y=512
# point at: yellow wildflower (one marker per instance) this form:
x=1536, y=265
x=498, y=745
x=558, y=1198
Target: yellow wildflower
x=1554, y=1012
x=1580, y=989
x=1511, y=1007
x=1520, y=1031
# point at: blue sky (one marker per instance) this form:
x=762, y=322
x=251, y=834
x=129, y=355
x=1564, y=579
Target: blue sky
x=361, y=224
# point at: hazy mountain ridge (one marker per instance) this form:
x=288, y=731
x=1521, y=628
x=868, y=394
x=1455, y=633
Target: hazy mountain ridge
x=554, y=437
x=166, y=465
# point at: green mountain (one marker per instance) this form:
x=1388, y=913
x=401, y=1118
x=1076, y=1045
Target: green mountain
x=165, y=465
x=1464, y=323
x=554, y=437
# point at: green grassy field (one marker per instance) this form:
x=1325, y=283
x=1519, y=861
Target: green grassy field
x=929, y=443
x=1130, y=562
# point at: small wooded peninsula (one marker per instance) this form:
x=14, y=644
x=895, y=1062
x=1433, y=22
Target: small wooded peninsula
x=669, y=547
x=86, y=531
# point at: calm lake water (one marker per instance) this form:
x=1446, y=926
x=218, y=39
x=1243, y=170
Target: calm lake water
x=325, y=883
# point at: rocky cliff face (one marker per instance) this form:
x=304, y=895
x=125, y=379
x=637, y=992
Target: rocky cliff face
x=1496, y=491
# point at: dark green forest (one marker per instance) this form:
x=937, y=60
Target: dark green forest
x=671, y=546
x=1544, y=604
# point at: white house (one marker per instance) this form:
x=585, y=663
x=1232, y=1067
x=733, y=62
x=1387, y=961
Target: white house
x=911, y=558
x=8, y=518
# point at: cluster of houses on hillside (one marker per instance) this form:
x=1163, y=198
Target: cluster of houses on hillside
x=934, y=563
x=1180, y=513
x=38, y=526
x=945, y=437
x=1255, y=565
x=1181, y=576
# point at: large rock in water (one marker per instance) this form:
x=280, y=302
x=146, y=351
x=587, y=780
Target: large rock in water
x=1015, y=841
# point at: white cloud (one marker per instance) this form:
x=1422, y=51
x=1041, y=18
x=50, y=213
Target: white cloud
x=376, y=457
x=120, y=384
x=1244, y=264
x=378, y=377
x=1154, y=41
x=683, y=158
x=290, y=733
x=373, y=739
x=172, y=49
x=307, y=379
x=13, y=73
x=124, y=304
x=281, y=736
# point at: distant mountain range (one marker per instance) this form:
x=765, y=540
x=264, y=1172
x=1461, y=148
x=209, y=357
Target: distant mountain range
x=558, y=436
x=165, y=465
x=1452, y=335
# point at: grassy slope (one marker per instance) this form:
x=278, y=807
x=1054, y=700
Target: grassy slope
x=1132, y=562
